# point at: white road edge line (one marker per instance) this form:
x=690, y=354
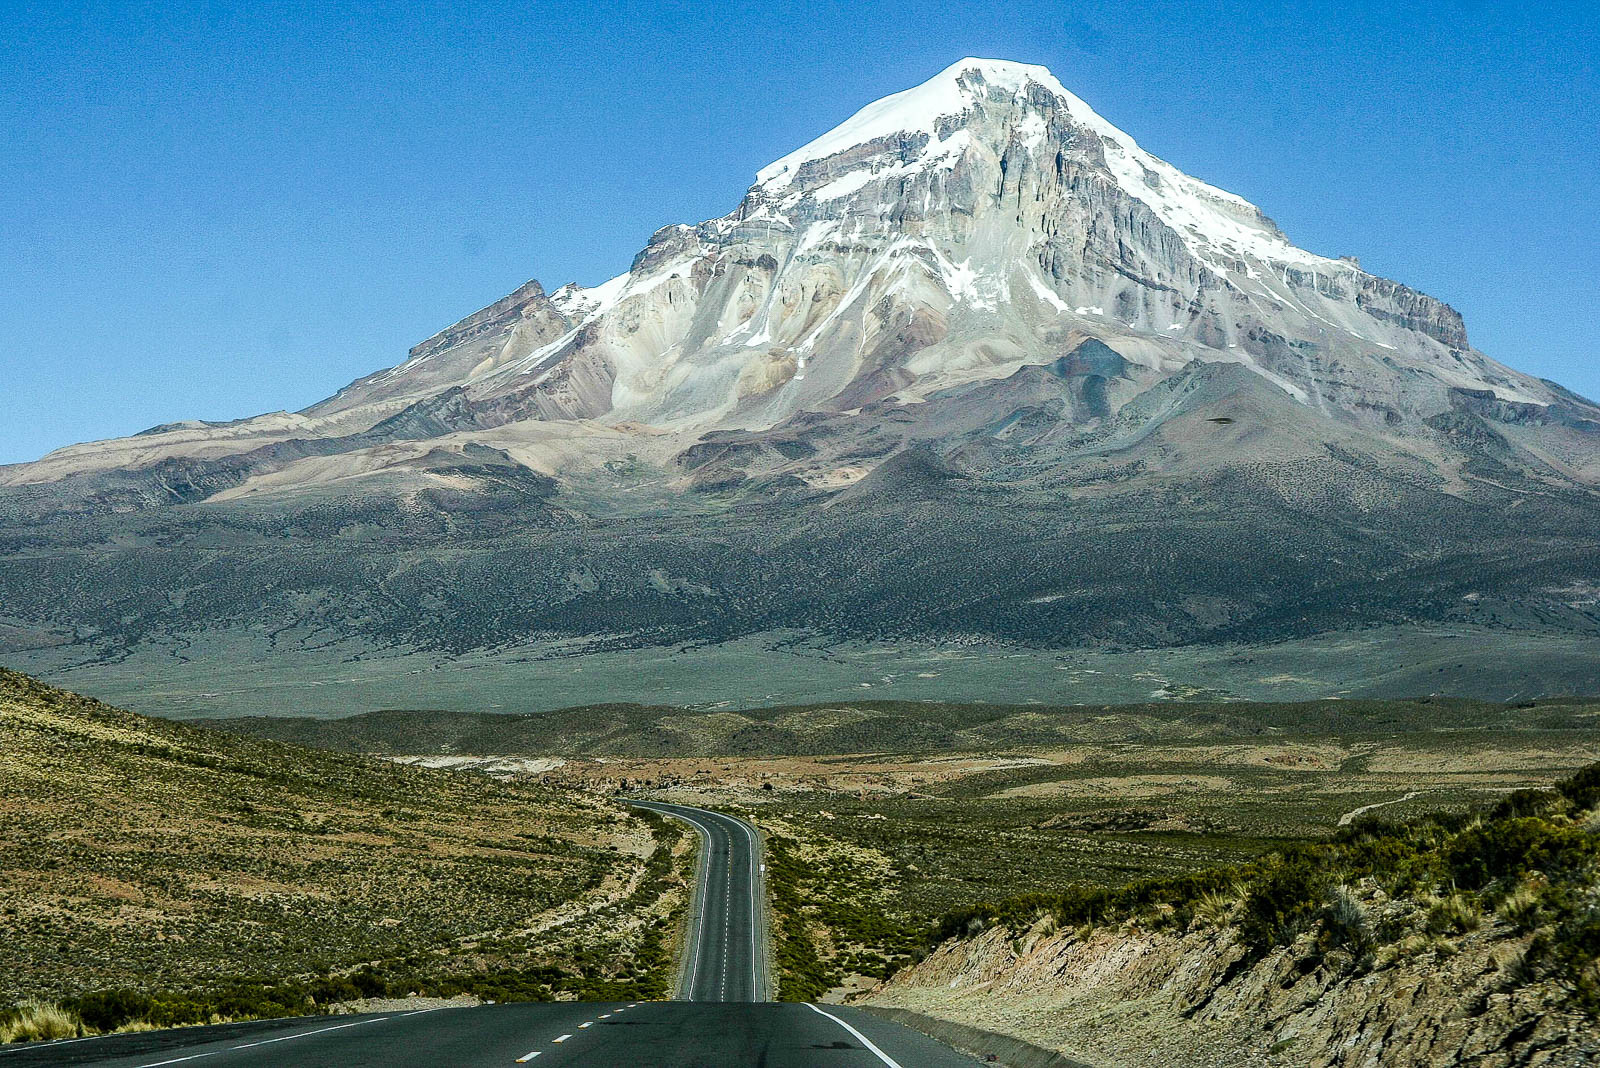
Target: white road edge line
x=264, y=1042
x=865, y=1041
x=26, y=1047
x=704, y=880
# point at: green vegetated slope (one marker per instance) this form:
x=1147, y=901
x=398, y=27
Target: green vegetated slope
x=890, y=726
x=198, y=873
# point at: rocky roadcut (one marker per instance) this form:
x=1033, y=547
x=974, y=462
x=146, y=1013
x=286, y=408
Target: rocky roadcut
x=1455, y=938
x=973, y=364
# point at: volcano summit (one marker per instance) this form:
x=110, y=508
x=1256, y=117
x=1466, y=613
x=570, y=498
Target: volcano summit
x=973, y=365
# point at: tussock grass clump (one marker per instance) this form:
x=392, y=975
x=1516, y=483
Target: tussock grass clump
x=1455, y=914
x=1522, y=906
x=1346, y=926
x=39, y=1021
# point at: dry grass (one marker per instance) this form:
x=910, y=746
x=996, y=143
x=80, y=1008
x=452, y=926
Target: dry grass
x=39, y=1021
x=151, y=855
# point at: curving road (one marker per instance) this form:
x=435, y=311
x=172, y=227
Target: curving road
x=722, y=1017
x=726, y=958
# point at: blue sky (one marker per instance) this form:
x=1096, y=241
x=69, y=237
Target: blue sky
x=213, y=210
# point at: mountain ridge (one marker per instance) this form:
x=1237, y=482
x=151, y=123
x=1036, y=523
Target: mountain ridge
x=556, y=357
x=971, y=365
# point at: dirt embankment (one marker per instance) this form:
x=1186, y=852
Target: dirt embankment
x=1129, y=997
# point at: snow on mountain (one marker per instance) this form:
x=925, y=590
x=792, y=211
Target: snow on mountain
x=939, y=239
x=1208, y=217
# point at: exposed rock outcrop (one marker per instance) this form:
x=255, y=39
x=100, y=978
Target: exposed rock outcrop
x=1147, y=999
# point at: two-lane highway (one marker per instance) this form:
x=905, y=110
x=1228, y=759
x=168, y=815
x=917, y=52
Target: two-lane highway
x=721, y=1020
x=726, y=958
x=662, y=1034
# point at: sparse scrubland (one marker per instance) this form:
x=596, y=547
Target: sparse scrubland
x=153, y=873
x=870, y=851
x=865, y=726
x=1463, y=936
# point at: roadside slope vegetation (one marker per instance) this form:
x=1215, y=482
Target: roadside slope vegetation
x=1453, y=938
x=153, y=871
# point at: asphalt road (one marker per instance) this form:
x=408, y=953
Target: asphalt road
x=726, y=957
x=722, y=1020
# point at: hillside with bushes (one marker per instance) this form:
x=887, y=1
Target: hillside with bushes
x=1464, y=937
x=158, y=873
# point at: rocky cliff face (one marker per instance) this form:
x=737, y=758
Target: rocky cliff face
x=1130, y=997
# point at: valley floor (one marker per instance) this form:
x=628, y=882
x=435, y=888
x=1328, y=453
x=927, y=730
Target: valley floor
x=253, y=672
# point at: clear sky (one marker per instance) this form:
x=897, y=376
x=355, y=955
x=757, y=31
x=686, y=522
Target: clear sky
x=214, y=210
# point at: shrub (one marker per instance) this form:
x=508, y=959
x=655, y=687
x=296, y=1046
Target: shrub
x=1283, y=902
x=1345, y=926
x=1218, y=908
x=1520, y=803
x=1514, y=847
x=1582, y=789
x=108, y=1010
x=1523, y=906
x=1569, y=953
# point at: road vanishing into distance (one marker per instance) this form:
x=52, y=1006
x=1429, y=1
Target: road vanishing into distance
x=722, y=1018
x=726, y=959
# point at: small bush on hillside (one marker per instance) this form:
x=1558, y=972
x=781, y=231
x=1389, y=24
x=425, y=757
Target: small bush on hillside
x=107, y=1010
x=1283, y=902
x=1219, y=908
x=1511, y=847
x=1456, y=914
x=1523, y=906
x=1582, y=789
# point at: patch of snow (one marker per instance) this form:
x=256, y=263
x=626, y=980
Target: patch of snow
x=817, y=233
x=679, y=269
x=1046, y=294
x=1032, y=130
x=970, y=286
x=574, y=300
x=844, y=185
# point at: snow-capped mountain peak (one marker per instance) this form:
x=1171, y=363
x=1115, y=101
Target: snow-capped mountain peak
x=921, y=109
x=1219, y=226
x=941, y=239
